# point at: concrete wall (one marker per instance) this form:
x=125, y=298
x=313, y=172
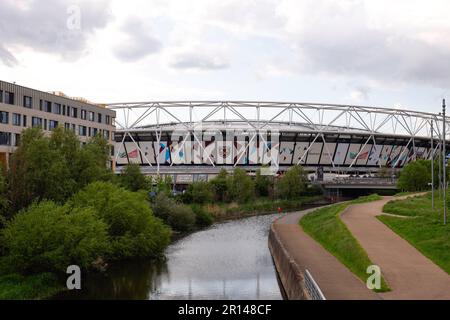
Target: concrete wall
x=290, y=274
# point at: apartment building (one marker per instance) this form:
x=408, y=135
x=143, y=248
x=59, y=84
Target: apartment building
x=22, y=107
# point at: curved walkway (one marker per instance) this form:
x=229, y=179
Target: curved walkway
x=409, y=274
x=333, y=278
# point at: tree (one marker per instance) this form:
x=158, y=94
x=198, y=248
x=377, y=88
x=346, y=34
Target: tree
x=54, y=167
x=133, y=179
x=134, y=230
x=200, y=192
x=4, y=201
x=263, y=184
x=240, y=186
x=38, y=171
x=220, y=186
x=415, y=176
x=292, y=184
x=47, y=237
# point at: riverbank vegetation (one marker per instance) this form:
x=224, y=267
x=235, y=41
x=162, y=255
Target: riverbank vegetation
x=421, y=226
x=60, y=204
x=325, y=226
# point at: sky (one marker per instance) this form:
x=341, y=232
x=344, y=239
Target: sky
x=373, y=52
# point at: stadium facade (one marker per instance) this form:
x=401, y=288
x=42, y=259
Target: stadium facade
x=194, y=140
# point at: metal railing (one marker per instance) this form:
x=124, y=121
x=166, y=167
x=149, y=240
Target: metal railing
x=312, y=287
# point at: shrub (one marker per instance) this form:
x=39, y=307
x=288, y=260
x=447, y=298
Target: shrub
x=240, y=186
x=263, y=184
x=48, y=237
x=292, y=184
x=181, y=217
x=202, y=218
x=415, y=176
x=200, y=192
x=178, y=216
x=133, y=179
x=133, y=229
x=220, y=187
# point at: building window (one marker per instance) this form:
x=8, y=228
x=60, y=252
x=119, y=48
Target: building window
x=48, y=106
x=9, y=97
x=5, y=138
x=36, y=122
x=17, y=119
x=52, y=124
x=83, y=114
x=94, y=132
x=16, y=139
x=67, y=126
x=82, y=130
x=41, y=104
x=107, y=119
x=4, y=117
x=74, y=128
x=91, y=116
x=106, y=134
x=24, y=120
x=74, y=112
x=27, y=102
x=1, y=96
x=99, y=118
x=45, y=124
x=57, y=108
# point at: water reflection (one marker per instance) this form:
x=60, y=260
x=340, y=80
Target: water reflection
x=227, y=261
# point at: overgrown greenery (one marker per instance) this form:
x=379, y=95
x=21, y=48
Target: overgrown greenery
x=415, y=176
x=325, y=226
x=54, y=167
x=422, y=227
x=60, y=204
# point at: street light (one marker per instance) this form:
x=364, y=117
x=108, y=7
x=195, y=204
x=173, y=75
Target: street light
x=444, y=160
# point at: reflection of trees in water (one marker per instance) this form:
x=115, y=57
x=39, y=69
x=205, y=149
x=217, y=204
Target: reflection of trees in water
x=123, y=280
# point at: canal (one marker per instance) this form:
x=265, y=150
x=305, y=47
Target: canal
x=229, y=260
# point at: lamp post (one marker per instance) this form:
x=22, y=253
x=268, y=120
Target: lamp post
x=432, y=167
x=444, y=162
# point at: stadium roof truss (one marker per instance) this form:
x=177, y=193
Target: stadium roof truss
x=318, y=119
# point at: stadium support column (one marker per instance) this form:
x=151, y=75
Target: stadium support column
x=444, y=162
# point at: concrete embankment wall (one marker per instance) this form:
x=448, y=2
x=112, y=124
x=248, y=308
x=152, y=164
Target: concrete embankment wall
x=291, y=275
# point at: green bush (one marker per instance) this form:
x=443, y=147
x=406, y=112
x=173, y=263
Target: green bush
x=292, y=184
x=240, y=186
x=48, y=237
x=133, y=179
x=133, y=229
x=200, y=192
x=415, y=176
x=178, y=216
x=202, y=218
x=181, y=217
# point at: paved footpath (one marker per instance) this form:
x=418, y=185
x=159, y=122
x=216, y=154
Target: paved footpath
x=409, y=274
x=333, y=278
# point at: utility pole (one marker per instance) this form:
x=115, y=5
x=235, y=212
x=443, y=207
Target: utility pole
x=444, y=161
x=432, y=167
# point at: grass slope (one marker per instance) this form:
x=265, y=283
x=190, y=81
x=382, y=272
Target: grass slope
x=325, y=226
x=424, y=228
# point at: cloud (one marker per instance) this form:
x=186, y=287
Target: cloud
x=138, y=42
x=7, y=58
x=352, y=39
x=199, y=61
x=45, y=26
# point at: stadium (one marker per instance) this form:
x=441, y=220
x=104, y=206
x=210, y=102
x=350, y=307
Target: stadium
x=193, y=140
